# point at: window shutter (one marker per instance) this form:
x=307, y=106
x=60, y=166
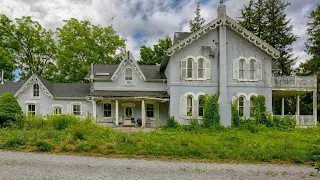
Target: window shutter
x=208, y=71
x=84, y=109
x=258, y=68
x=156, y=111
x=183, y=73
x=236, y=69
x=37, y=105
x=69, y=111
x=183, y=106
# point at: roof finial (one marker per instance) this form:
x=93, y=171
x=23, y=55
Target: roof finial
x=221, y=1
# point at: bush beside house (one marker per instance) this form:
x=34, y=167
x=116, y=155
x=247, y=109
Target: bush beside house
x=9, y=108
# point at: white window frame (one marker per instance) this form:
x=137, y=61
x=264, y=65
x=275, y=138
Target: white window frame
x=252, y=69
x=75, y=113
x=199, y=106
x=190, y=107
x=243, y=106
x=243, y=62
x=203, y=68
x=33, y=113
x=55, y=110
x=36, y=90
x=107, y=110
x=188, y=68
x=150, y=110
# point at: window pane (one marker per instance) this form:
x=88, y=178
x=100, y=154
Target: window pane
x=128, y=75
x=190, y=63
x=189, y=73
x=36, y=90
x=241, y=65
x=200, y=73
x=241, y=111
x=76, y=110
x=189, y=68
x=107, y=110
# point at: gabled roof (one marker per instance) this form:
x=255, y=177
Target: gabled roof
x=152, y=94
x=151, y=72
x=222, y=19
x=53, y=90
x=128, y=58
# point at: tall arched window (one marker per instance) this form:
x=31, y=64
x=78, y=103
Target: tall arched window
x=201, y=68
x=241, y=69
x=252, y=111
x=128, y=75
x=190, y=68
x=189, y=105
x=252, y=69
x=36, y=90
x=201, y=105
x=241, y=105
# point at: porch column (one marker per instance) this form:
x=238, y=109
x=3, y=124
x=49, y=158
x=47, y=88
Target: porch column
x=143, y=114
x=117, y=113
x=298, y=110
x=282, y=107
x=94, y=109
x=315, y=107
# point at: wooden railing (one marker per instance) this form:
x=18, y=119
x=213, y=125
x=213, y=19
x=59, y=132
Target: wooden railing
x=294, y=82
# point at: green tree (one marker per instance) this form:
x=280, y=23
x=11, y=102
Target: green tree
x=198, y=21
x=9, y=108
x=8, y=45
x=267, y=19
x=36, y=47
x=79, y=44
x=312, y=66
x=154, y=56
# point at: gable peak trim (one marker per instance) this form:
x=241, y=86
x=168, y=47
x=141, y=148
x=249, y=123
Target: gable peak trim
x=224, y=20
x=128, y=58
x=33, y=79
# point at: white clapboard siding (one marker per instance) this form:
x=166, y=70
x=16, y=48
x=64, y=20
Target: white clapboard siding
x=183, y=106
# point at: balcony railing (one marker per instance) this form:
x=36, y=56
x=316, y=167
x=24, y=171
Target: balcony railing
x=294, y=82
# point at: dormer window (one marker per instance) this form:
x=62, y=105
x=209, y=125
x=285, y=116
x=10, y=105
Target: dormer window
x=36, y=90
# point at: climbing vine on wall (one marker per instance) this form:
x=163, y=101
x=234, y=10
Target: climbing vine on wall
x=260, y=111
x=211, y=116
x=235, y=117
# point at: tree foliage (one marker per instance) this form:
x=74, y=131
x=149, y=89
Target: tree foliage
x=267, y=19
x=153, y=56
x=198, y=21
x=312, y=66
x=211, y=115
x=36, y=47
x=8, y=45
x=9, y=108
x=79, y=44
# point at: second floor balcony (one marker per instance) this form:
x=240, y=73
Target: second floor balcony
x=294, y=83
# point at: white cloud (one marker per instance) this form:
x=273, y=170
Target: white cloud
x=154, y=19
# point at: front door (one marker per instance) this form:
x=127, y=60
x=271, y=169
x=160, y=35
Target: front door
x=128, y=113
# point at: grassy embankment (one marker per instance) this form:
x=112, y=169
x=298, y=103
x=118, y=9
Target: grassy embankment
x=67, y=134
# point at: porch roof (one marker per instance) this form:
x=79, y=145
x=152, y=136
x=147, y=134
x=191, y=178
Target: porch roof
x=151, y=94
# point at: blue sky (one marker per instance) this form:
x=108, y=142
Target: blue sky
x=145, y=21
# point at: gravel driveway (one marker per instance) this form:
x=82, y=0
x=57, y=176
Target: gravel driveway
x=18, y=165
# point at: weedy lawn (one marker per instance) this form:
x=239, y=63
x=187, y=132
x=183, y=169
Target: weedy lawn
x=67, y=134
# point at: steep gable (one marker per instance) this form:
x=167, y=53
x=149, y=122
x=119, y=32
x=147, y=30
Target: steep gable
x=221, y=20
x=128, y=59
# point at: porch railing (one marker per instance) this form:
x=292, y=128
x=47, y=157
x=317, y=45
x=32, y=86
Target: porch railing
x=303, y=120
x=294, y=82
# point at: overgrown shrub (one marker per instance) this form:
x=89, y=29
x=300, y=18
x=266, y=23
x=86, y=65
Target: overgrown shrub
x=9, y=108
x=285, y=122
x=172, y=123
x=62, y=121
x=44, y=146
x=235, y=117
x=211, y=116
x=261, y=115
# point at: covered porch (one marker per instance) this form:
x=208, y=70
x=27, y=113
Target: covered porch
x=295, y=86
x=130, y=109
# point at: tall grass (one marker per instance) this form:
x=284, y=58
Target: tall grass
x=70, y=134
